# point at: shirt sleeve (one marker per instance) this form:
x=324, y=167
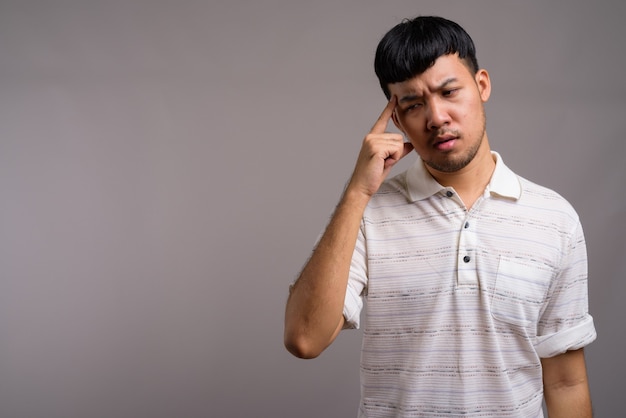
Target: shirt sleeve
x=565, y=323
x=357, y=284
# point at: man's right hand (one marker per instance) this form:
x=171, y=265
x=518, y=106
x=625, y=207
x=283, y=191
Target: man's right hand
x=314, y=312
x=380, y=151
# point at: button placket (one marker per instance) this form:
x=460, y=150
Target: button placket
x=467, y=254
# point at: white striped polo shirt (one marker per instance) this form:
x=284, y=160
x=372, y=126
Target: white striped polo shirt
x=462, y=304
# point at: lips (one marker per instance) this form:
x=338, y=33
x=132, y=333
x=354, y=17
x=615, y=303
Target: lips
x=445, y=142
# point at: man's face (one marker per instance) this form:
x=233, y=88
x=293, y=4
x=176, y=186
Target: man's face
x=441, y=112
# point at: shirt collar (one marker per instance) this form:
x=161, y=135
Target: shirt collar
x=503, y=183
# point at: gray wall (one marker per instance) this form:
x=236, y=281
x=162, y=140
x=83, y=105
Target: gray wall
x=165, y=167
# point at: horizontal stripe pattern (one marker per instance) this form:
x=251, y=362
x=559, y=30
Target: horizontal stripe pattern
x=461, y=305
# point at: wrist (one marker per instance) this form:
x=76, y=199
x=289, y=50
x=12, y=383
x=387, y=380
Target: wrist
x=355, y=198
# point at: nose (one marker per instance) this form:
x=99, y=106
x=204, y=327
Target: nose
x=436, y=115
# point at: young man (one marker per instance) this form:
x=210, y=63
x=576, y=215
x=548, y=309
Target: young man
x=475, y=278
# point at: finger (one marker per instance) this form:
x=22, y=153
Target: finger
x=408, y=147
x=399, y=153
x=385, y=137
x=381, y=124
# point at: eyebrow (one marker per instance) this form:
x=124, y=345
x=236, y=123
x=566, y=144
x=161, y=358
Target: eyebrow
x=411, y=97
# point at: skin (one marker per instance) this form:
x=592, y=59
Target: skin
x=441, y=112
x=565, y=385
x=314, y=312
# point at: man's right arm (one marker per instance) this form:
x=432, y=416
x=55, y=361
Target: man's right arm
x=314, y=312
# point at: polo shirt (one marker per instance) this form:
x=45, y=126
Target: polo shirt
x=460, y=305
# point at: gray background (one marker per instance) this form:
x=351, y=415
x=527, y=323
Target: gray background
x=166, y=166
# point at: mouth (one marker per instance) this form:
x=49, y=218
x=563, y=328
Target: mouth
x=445, y=142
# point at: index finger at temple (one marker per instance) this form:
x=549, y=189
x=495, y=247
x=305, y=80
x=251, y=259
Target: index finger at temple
x=381, y=124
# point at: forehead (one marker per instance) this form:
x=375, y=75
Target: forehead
x=445, y=69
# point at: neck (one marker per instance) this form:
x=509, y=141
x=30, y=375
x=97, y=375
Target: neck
x=469, y=182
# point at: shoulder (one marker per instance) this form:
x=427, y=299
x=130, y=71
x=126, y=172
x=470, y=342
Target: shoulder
x=545, y=200
x=533, y=192
x=393, y=189
x=391, y=199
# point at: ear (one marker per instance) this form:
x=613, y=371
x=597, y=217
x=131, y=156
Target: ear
x=484, y=84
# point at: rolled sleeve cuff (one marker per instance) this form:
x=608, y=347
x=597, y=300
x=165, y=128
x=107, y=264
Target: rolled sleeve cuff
x=352, y=310
x=561, y=341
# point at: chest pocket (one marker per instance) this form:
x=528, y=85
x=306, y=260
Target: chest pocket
x=519, y=292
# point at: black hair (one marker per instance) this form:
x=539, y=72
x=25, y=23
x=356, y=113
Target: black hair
x=413, y=46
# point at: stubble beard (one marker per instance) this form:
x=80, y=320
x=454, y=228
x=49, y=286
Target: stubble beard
x=451, y=164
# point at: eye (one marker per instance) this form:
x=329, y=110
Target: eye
x=449, y=92
x=413, y=107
